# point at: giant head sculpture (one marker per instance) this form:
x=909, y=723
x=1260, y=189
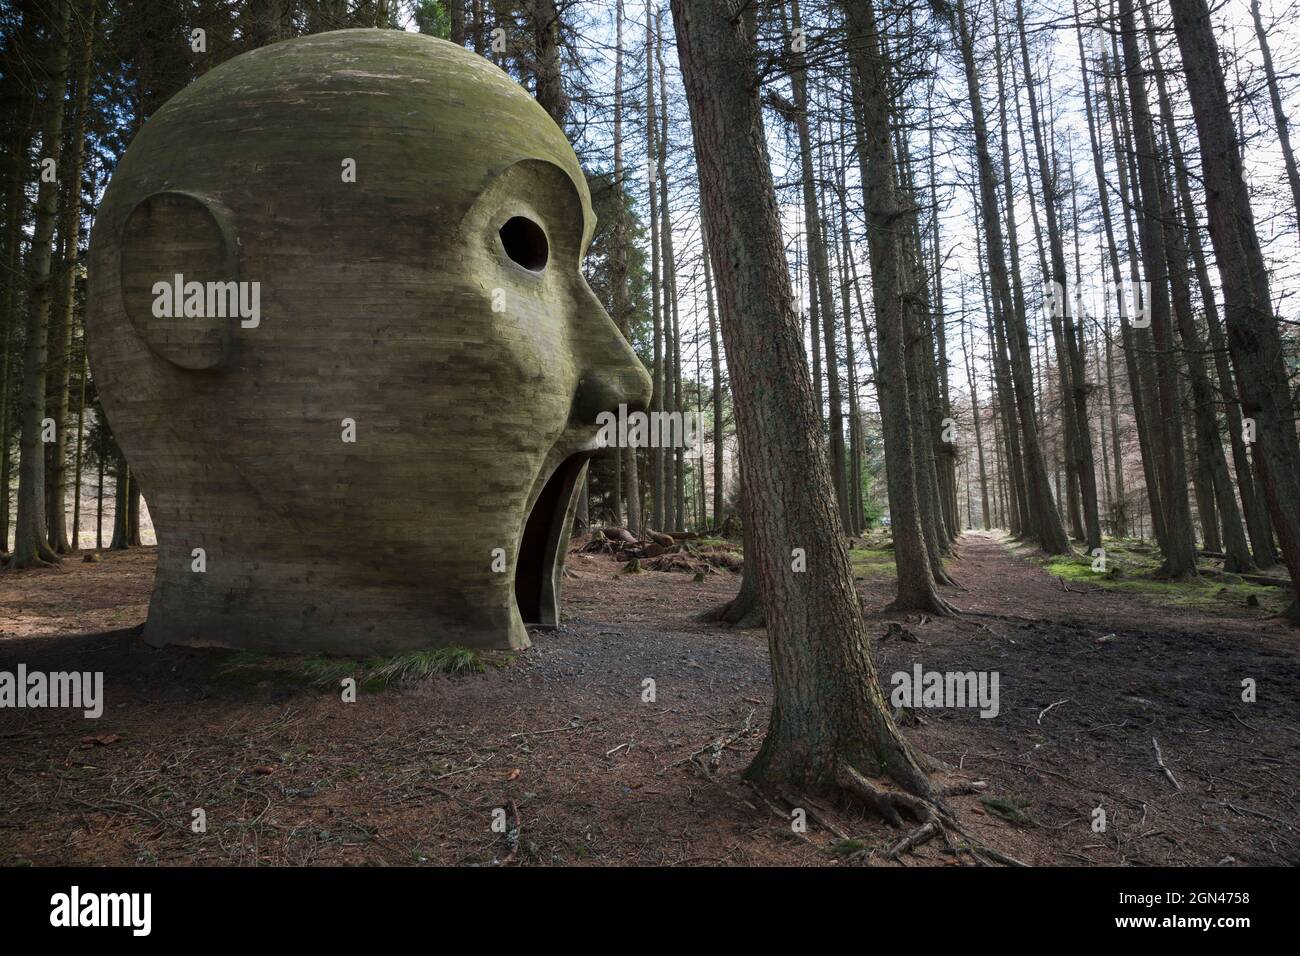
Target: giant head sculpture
x=339, y=326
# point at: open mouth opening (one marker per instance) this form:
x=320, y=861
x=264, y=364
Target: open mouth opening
x=539, y=563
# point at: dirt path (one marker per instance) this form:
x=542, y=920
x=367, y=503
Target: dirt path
x=563, y=743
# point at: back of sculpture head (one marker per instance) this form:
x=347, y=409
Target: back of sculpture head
x=414, y=368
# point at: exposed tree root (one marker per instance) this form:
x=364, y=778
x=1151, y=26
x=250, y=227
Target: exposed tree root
x=890, y=804
x=742, y=611
x=941, y=577
x=934, y=604
x=934, y=818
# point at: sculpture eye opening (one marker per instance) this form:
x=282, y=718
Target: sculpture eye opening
x=525, y=242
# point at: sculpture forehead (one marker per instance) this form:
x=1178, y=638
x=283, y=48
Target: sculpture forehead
x=426, y=121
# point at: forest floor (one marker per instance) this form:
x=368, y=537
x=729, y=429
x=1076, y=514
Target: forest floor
x=559, y=739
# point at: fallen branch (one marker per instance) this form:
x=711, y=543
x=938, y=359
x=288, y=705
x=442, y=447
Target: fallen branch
x=1064, y=700
x=719, y=745
x=1160, y=760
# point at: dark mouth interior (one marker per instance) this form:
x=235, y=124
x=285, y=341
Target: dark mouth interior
x=539, y=546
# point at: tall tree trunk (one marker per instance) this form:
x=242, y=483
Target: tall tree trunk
x=940, y=325
x=675, y=490
x=1216, y=498
x=715, y=360
x=618, y=257
x=15, y=215
x=1253, y=335
x=1117, y=518
x=888, y=230
x=1279, y=115
x=829, y=719
x=1179, y=547
x=975, y=416
x=121, y=495
x=30, y=542
x=1019, y=519
x=657, y=313
x=1074, y=410
x=60, y=366
x=857, y=517
x=819, y=272
x=456, y=13
x=1137, y=353
x=548, y=76
x=1256, y=514
x=1048, y=529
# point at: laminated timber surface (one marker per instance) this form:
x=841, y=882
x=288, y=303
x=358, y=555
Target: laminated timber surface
x=472, y=372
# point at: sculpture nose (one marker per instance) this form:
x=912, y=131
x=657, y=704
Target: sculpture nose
x=610, y=373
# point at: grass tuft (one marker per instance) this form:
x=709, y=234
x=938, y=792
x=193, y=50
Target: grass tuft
x=377, y=673
x=423, y=664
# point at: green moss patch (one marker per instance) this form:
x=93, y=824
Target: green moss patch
x=1134, y=566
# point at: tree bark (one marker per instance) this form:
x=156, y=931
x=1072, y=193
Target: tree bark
x=1074, y=409
x=1179, y=546
x=30, y=541
x=1253, y=335
x=60, y=366
x=829, y=720
x=888, y=229
x=1047, y=525
x=819, y=272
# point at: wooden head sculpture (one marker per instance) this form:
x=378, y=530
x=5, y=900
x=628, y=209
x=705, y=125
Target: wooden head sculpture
x=339, y=326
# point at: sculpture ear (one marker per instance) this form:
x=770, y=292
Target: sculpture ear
x=177, y=234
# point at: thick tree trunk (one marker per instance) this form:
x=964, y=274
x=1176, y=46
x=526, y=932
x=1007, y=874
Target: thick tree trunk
x=456, y=13
x=1253, y=335
x=544, y=17
x=829, y=719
